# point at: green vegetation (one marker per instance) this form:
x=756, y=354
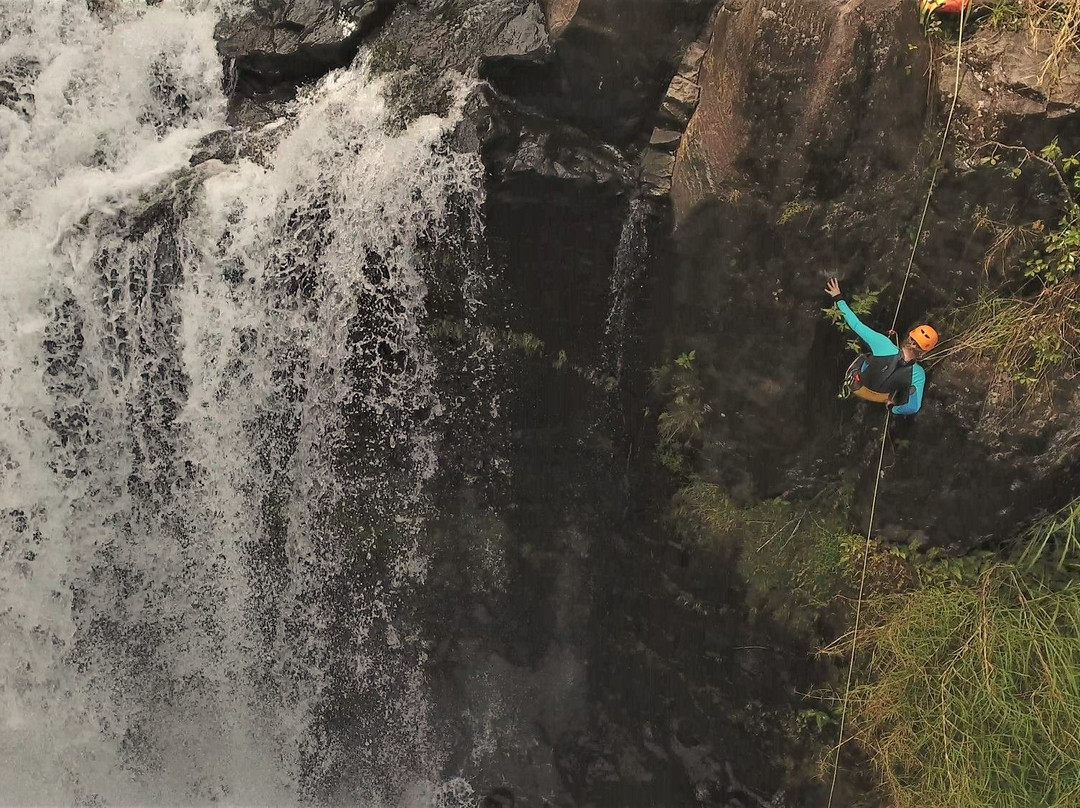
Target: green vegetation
x=678, y=384
x=1027, y=340
x=1030, y=339
x=974, y=699
x=797, y=556
x=1054, y=27
x=803, y=558
x=793, y=209
x=686, y=409
x=1052, y=544
x=1056, y=261
x=1006, y=15
x=456, y=332
x=862, y=303
x=968, y=686
x=500, y=339
x=967, y=678
x=968, y=691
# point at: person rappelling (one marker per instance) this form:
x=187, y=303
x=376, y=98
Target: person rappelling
x=888, y=374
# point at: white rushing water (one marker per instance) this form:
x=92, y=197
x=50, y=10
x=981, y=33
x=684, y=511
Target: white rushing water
x=205, y=374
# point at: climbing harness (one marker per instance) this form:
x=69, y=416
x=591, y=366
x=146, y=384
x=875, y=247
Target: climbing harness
x=963, y=4
x=852, y=378
x=855, y=379
x=879, y=378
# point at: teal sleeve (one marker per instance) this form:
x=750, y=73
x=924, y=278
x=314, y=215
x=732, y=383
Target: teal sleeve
x=914, y=402
x=879, y=344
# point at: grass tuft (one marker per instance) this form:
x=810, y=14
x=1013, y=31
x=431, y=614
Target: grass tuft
x=1059, y=24
x=1030, y=342
x=685, y=409
x=975, y=698
x=1054, y=26
x=1052, y=544
x=799, y=557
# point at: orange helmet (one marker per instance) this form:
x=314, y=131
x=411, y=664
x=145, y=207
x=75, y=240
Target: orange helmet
x=944, y=6
x=924, y=336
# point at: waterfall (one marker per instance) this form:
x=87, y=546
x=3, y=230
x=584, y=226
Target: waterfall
x=631, y=257
x=218, y=415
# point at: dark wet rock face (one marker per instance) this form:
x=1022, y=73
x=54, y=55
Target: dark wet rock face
x=783, y=178
x=597, y=683
x=808, y=157
x=282, y=44
x=517, y=144
x=15, y=78
x=290, y=41
x=609, y=64
x=665, y=176
x=220, y=145
x=20, y=103
x=1002, y=78
x=455, y=34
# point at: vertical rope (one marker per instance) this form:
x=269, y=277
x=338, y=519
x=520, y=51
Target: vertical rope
x=885, y=427
x=937, y=167
x=859, y=602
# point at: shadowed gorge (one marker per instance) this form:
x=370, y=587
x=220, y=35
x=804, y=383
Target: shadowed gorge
x=434, y=403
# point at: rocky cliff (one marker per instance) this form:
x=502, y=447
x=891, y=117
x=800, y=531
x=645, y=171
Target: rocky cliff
x=810, y=155
x=674, y=177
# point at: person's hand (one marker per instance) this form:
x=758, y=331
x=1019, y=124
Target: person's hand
x=833, y=287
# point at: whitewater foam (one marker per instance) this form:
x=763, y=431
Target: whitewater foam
x=206, y=375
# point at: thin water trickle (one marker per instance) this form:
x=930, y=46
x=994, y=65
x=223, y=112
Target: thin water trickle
x=213, y=391
x=631, y=257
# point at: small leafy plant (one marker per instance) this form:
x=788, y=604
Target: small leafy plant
x=862, y=304
x=793, y=209
x=1006, y=15
x=685, y=410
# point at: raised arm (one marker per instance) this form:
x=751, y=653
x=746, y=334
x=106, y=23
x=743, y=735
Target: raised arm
x=879, y=344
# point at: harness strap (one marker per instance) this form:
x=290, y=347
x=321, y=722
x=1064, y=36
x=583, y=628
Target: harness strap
x=870, y=395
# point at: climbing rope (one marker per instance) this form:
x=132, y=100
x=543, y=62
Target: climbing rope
x=888, y=413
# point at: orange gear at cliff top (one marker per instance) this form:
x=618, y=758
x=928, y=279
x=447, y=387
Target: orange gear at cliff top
x=943, y=6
